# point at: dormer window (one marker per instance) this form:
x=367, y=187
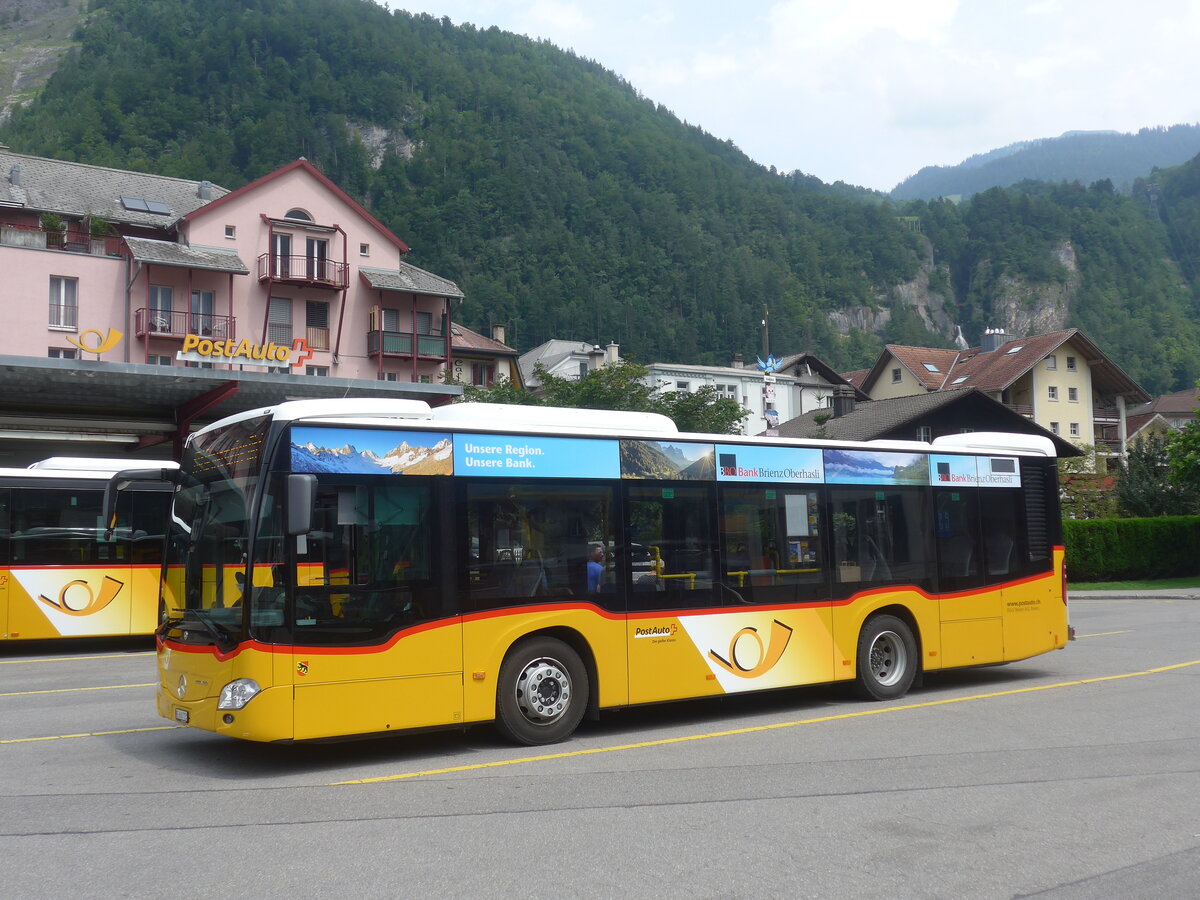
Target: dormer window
x=298, y=214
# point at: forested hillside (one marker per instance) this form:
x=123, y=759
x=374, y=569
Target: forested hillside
x=1085, y=157
x=567, y=205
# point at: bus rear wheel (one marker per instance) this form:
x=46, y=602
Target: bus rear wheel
x=887, y=658
x=542, y=691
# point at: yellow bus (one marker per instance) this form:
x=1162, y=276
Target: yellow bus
x=60, y=575
x=415, y=568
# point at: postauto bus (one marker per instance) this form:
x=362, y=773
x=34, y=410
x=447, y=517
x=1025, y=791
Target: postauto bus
x=357, y=567
x=63, y=571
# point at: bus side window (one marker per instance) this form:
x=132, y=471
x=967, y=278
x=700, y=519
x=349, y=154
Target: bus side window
x=1004, y=543
x=531, y=540
x=883, y=535
x=771, y=550
x=960, y=553
x=674, y=524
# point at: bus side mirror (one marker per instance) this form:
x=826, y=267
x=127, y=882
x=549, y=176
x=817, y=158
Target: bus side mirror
x=301, y=501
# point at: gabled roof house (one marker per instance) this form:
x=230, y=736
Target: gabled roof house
x=1060, y=380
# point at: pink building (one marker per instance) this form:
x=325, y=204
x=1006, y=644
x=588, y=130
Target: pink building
x=284, y=287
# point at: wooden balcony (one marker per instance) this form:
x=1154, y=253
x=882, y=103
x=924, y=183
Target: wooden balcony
x=303, y=271
x=1021, y=409
x=400, y=343
x=162, y=324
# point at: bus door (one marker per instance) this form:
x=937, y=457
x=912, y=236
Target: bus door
x=377, y=643
x=674, y=590
x=972, y=623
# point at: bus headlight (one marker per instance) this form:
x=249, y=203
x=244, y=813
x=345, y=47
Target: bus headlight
x=238, y=693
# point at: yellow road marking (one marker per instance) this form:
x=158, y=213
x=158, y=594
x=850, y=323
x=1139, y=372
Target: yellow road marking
x=63, y=737
x=13, y=662
x=106, y=687
x=1104, y=633
x=757, y=728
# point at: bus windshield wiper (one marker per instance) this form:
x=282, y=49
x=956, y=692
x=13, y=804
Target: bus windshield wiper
x=219, y=632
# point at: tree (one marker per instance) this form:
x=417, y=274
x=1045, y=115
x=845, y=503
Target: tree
x=1145, y=488
x=1183, y=459
x=620, y=386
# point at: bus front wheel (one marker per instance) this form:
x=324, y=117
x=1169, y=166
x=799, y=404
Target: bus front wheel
x=887, y=658
x=542, y=691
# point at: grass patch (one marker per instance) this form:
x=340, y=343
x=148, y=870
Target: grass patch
x=1161, y=584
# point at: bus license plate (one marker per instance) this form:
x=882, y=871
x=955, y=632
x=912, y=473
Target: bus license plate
x=181, y=716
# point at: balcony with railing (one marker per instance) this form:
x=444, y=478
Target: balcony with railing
x=1021, y=409
x=400, y=343
x=303, y=271
x=34, y=237
x=162, y=323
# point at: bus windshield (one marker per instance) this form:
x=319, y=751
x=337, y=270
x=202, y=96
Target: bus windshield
x=210, y=525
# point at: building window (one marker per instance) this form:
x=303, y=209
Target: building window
x=63, y=353
x=424, y=322
x=203, y=321
x=64, y=303
x=930, y=367
x=1070, y=363
x=583, y=369
x=319, y=371
x=161, y=306
x=683, y=385
x=231, y=231
x=298, y=214
x=1051, y=362
x=391, y=376
x=160, y=360
x=728, y=391
x=391, y=319
x=1073, y=394
x=279, y=321
x=482, y=374
x=316, y=322
x=1074, y=429
x=316, y=259
x=895, y=376
x=1054, y=427
x=426, y=379
x=925, y=433
x=1052, y=392
x=281, y=255
x=364, y=249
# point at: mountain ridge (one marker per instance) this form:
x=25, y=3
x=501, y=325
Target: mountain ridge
x=567, y=205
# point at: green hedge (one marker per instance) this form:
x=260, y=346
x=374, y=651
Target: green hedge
x=1132, y=549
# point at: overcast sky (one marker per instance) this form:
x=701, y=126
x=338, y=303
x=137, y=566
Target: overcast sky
x=870, y=91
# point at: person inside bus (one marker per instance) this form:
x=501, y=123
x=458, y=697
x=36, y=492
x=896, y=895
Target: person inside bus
x=595, y=568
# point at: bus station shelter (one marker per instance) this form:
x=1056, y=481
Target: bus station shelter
x=60, y=407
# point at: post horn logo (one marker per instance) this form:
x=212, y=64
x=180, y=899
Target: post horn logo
x=741, y=664
x=77, y=598
x=104, y=343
